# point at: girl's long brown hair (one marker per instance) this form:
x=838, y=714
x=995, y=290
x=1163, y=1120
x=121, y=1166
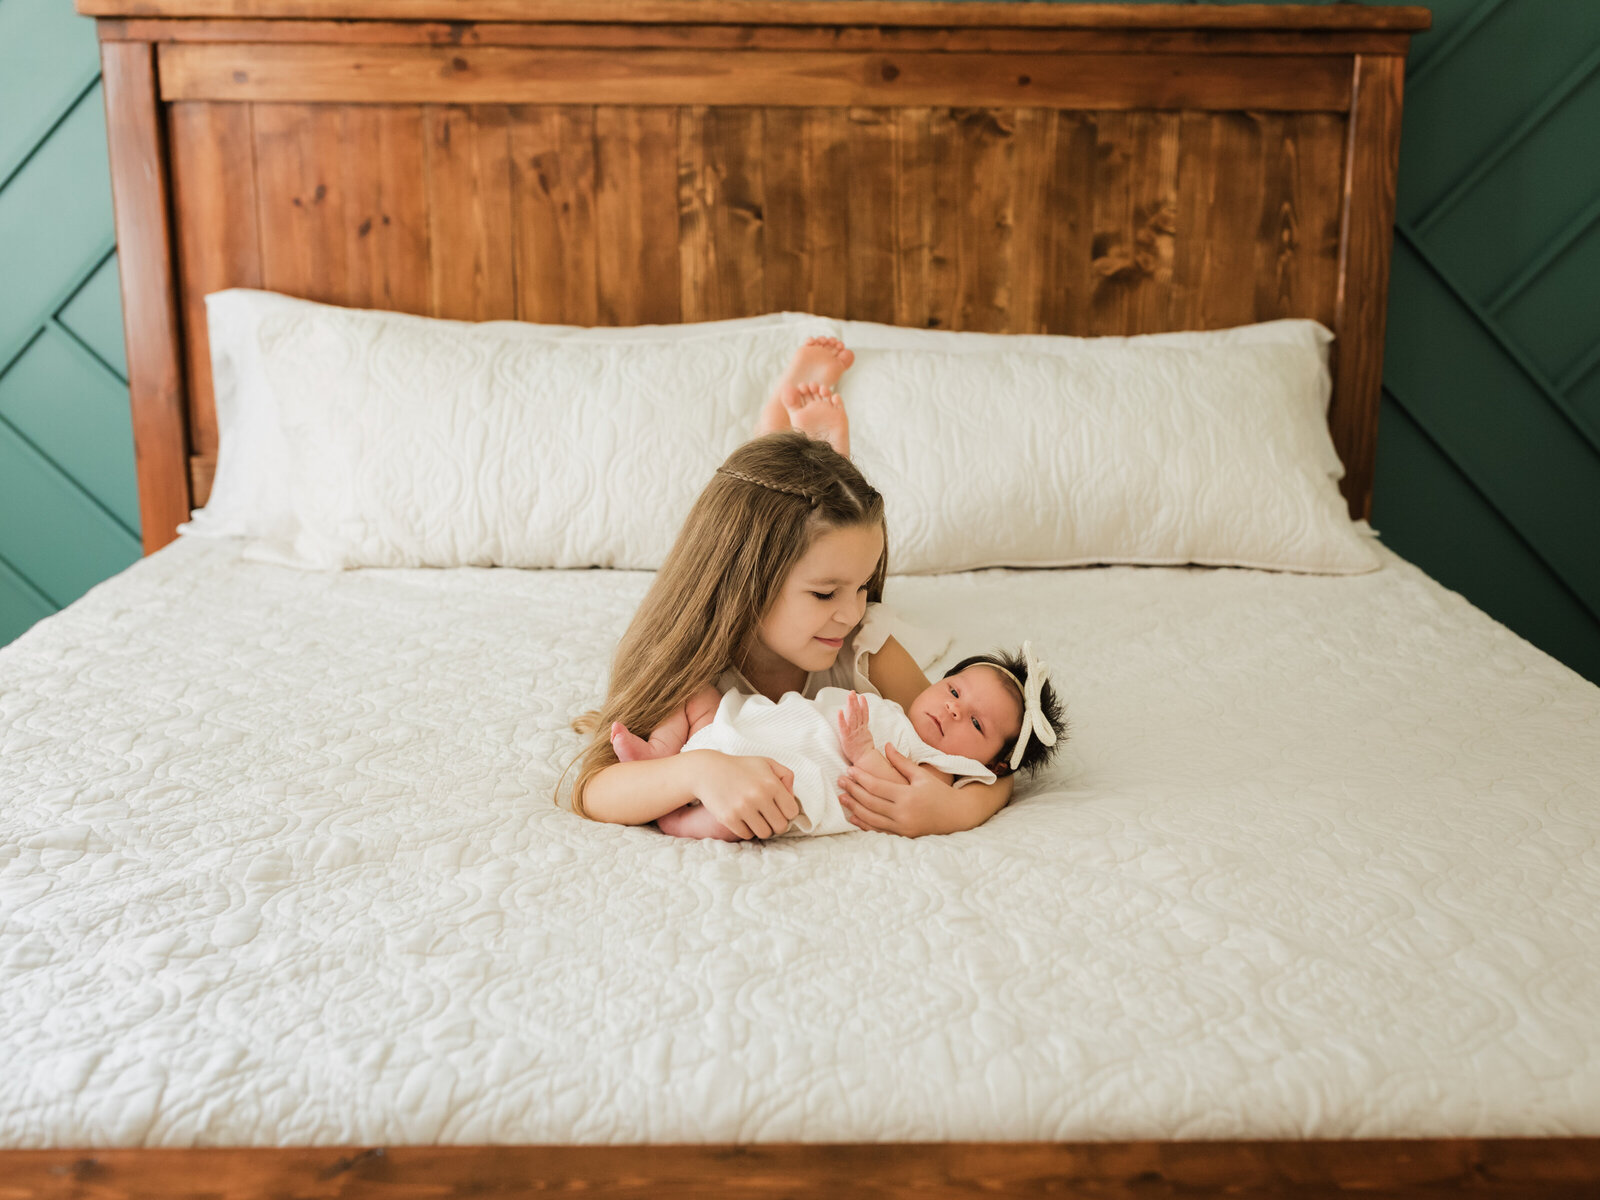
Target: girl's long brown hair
x=753, y=522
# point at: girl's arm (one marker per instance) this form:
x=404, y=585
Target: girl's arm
x=920, y=802
x=753, y=797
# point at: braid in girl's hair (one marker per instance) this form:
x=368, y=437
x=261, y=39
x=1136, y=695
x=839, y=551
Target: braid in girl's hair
x=810, y=498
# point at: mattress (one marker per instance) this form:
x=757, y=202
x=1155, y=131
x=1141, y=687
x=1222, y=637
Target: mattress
x=279, y=864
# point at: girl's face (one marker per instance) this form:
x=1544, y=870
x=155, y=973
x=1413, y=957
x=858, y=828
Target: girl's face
x=972, y=714
x=823, y=599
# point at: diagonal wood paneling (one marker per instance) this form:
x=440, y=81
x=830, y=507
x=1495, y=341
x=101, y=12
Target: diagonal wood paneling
x=68, y=501
x=1493, y=339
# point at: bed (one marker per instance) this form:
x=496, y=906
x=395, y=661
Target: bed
x=1309, y=906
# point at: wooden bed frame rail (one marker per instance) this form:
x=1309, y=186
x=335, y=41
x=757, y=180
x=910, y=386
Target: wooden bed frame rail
x=1080, y=169
x=1494, y=1169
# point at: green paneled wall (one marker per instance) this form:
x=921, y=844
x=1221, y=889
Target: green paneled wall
x=69, y=507
x=1489, y=447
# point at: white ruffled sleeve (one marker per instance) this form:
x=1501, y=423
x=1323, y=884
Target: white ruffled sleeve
x=878, y=625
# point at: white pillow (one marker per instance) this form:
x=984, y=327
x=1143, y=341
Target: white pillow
x=1110, y=450
x=364, y=438
x=250, y=491
x=418, y=442
x=870, y=335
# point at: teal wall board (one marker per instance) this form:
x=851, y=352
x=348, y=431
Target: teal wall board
x=55, y=220
x=56, y=536
x=59, y=396
x=95, y=315
x=1586, y=396
x=21, y=604
x=1488, y=472
x=46, y=62
x=1543, y=318
x=1477, y=405
x=1428, y=501
x=68, y=502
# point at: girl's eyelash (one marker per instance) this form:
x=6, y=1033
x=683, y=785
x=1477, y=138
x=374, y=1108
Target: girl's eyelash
x=976, y=726
x=823, y=595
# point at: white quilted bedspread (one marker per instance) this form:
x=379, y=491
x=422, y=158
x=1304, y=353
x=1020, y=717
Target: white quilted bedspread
x=278, y=864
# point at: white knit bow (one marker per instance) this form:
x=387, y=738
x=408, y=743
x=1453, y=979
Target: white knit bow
x=1033, y=719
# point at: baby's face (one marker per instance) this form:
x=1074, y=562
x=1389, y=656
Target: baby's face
x=972, y=714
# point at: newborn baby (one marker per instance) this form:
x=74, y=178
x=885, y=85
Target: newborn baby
x=988, y=716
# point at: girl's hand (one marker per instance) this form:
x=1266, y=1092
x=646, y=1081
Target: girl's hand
x=855, y=739
x=752, y=797
x=921, y=803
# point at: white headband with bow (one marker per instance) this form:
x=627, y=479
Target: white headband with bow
x=1034, y=722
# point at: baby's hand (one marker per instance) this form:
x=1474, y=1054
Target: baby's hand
x=855, y=739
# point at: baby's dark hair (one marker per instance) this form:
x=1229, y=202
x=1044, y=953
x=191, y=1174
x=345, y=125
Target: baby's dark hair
x=1037, y=754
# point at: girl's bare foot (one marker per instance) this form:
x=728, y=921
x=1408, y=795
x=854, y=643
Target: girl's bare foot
x=693, y=821
x=817, y=360
x=816, y=410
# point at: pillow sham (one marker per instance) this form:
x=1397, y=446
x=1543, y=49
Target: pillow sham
x=417, y=442
x=1105, y=451
x=870, y=335
x=250, y=492
x=356, y=438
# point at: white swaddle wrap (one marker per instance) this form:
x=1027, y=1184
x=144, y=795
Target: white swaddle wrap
x=803, y=735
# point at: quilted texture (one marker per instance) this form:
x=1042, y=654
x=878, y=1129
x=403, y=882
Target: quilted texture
x=1115, y=452
x=278, y=863
x=418, y=443
x=357, y=438
x=251, y=495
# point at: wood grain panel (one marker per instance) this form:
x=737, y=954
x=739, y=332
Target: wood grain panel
x=928, y=201
x=1490, y=1169
x=140, y=194
x=300, y=205
x=214, y=201
x=1297, y=244
x=984, y=154
x=1219, y=214
x=747, y=37
x=1067, y=252
x=636, y=215
x=806, y=174
x=785, y=256
x=470, y=213
x=721, y=202
x=1029, y=219
x=514, y=75
x=869, y=189
x=828, y=154
x=1135, y=222
x=553, y=188
x=793, y=12
x=384, y=177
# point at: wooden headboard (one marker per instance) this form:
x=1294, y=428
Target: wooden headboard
x=1025, y=168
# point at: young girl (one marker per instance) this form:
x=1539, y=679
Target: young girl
x=989, y=716
x=767, y=589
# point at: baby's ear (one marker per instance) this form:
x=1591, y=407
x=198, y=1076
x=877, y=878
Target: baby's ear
x=1000, y=767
